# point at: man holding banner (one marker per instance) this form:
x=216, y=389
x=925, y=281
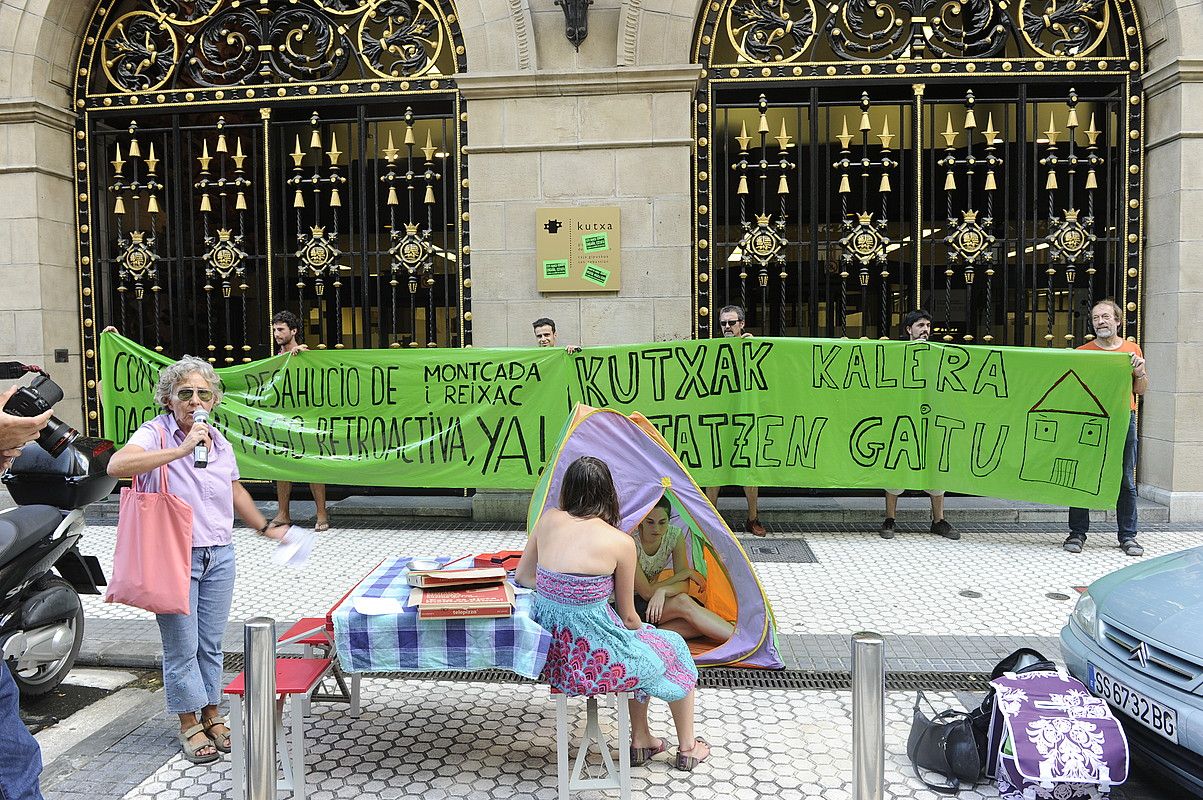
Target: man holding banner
x=286, y=328
x=731, y=322
x=917, y=326
x=1105, y=318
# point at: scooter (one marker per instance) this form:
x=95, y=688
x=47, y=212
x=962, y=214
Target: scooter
x=42, y=572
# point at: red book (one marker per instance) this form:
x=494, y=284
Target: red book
x=473, y=612
x=460, y=597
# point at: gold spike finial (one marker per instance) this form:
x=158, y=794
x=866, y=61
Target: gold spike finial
x=1052, y=133
x=885, y=136
x=1092, y=133
x=118, y=162
x=949, y=134
x=428, y=149
x=744, y=139
x=239, y=157
x=333, y=153
x=990, y=134
x=390, y=151
x=845, y=137
x=297, y=154
x=152, y=163
x=783, y=138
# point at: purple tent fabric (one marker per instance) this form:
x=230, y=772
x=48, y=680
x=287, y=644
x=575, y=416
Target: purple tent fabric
x=1063, y=742
x=644, y=467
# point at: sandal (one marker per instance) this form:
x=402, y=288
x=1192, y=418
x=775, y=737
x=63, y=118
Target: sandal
x=220, y=740
x=687, y=763
x=642, y=755
x=190, y=750
x=321, y=525
x=279, y=523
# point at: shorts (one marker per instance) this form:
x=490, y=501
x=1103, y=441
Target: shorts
x=931, y=492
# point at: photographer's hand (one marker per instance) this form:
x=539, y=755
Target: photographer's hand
x=17, y=431
x=6, y=458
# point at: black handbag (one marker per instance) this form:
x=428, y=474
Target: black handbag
x=944, y=744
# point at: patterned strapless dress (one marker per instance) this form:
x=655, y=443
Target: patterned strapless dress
x=592, y=652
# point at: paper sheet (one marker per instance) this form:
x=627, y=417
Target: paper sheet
x=377, y=606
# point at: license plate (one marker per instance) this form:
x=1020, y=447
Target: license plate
x=1147, y=712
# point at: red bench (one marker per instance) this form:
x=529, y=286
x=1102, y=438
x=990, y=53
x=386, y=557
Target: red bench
x=312, y=633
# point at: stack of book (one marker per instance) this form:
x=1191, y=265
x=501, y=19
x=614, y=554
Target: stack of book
x=455, y=593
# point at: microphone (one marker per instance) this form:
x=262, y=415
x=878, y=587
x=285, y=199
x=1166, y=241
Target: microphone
x=200, y=453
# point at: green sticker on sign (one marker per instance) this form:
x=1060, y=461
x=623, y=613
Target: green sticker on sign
x=555, y=268
x=595, y=242
x=595, y=274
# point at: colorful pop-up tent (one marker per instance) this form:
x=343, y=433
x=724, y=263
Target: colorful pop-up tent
x=645, y=469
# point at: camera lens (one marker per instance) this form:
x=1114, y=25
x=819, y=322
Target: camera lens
x=56, y=436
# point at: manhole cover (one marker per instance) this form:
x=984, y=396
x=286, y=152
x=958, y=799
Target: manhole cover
x=1057, y=596
x=970, y=593
x=783, y=551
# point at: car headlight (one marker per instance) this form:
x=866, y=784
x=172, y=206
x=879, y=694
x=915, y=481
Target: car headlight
x=1085, y=613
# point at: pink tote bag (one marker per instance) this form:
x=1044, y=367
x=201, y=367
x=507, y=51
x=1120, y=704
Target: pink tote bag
x=152, y=564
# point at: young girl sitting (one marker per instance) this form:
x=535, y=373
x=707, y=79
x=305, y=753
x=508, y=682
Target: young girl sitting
x=666, y=603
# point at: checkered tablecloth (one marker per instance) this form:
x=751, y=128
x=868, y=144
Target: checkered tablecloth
x=400, y=643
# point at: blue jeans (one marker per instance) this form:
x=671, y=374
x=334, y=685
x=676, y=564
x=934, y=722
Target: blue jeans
x=1125, y=504
x=192, y=656
x=20, y=756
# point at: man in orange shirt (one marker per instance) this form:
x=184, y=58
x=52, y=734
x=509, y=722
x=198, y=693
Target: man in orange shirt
x=1106, y=318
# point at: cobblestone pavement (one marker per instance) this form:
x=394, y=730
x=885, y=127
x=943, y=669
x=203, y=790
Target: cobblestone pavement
x=944, y=606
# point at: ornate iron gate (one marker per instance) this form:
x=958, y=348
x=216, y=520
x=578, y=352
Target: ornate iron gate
x=236, y=159
x=981, y=159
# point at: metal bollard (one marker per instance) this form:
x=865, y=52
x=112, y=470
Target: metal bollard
x=259, y=645
x=868, y=716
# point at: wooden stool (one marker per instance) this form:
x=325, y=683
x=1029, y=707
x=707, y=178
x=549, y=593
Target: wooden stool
x=296, y=679
x=615, y=778
x=312, y=633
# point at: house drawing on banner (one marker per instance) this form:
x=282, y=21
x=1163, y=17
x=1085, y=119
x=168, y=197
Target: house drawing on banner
x=1066, y=439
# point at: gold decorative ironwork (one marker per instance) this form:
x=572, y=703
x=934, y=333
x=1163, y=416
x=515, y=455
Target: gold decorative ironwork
x=137, y=263
x=792, y=31
x=225, y=260
x=864, y=242
x=162, y=44
x=318, y=255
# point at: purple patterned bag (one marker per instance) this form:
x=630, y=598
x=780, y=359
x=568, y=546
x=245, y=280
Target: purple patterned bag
x=1050, y=738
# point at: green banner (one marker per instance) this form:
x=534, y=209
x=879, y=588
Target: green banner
x=1023, y=423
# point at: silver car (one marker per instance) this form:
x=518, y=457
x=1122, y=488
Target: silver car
x=1136, y=639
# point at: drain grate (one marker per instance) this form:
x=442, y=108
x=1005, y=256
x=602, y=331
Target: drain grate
x=783, y=551
x=722, y=678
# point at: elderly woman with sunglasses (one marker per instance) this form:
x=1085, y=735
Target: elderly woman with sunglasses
x=192, y=653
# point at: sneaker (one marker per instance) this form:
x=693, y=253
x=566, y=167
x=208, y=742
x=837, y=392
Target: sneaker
x=1131, y=547
x=941, y=528
x=1073, y=543
x=887, y=529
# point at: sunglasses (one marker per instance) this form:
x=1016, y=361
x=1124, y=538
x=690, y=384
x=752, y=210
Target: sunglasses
x=728, y=323
x=184, y=395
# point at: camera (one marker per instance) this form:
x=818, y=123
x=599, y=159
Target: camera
x=38, y=398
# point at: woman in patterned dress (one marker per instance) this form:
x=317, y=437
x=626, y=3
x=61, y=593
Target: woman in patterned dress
x=575, y=558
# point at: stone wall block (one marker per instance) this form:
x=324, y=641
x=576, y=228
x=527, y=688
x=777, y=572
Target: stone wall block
x=673, y=319
x=1161, y=272
x=29, y=333
x=486, y=123
x=504, y=176
x=671, y=115
x=22, y=288
x=673, y=221
x=488, y=226
x=503, y=274
x=577, y=174
x=614, y=320
x=541, y=120
x=656, y=272
x=648, y=172
x=609, y=118
x=490, y=323
x=637, y=220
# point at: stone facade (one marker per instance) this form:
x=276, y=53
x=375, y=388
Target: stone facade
x=608, y=125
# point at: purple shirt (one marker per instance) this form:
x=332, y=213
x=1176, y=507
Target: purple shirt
x=209, y=491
